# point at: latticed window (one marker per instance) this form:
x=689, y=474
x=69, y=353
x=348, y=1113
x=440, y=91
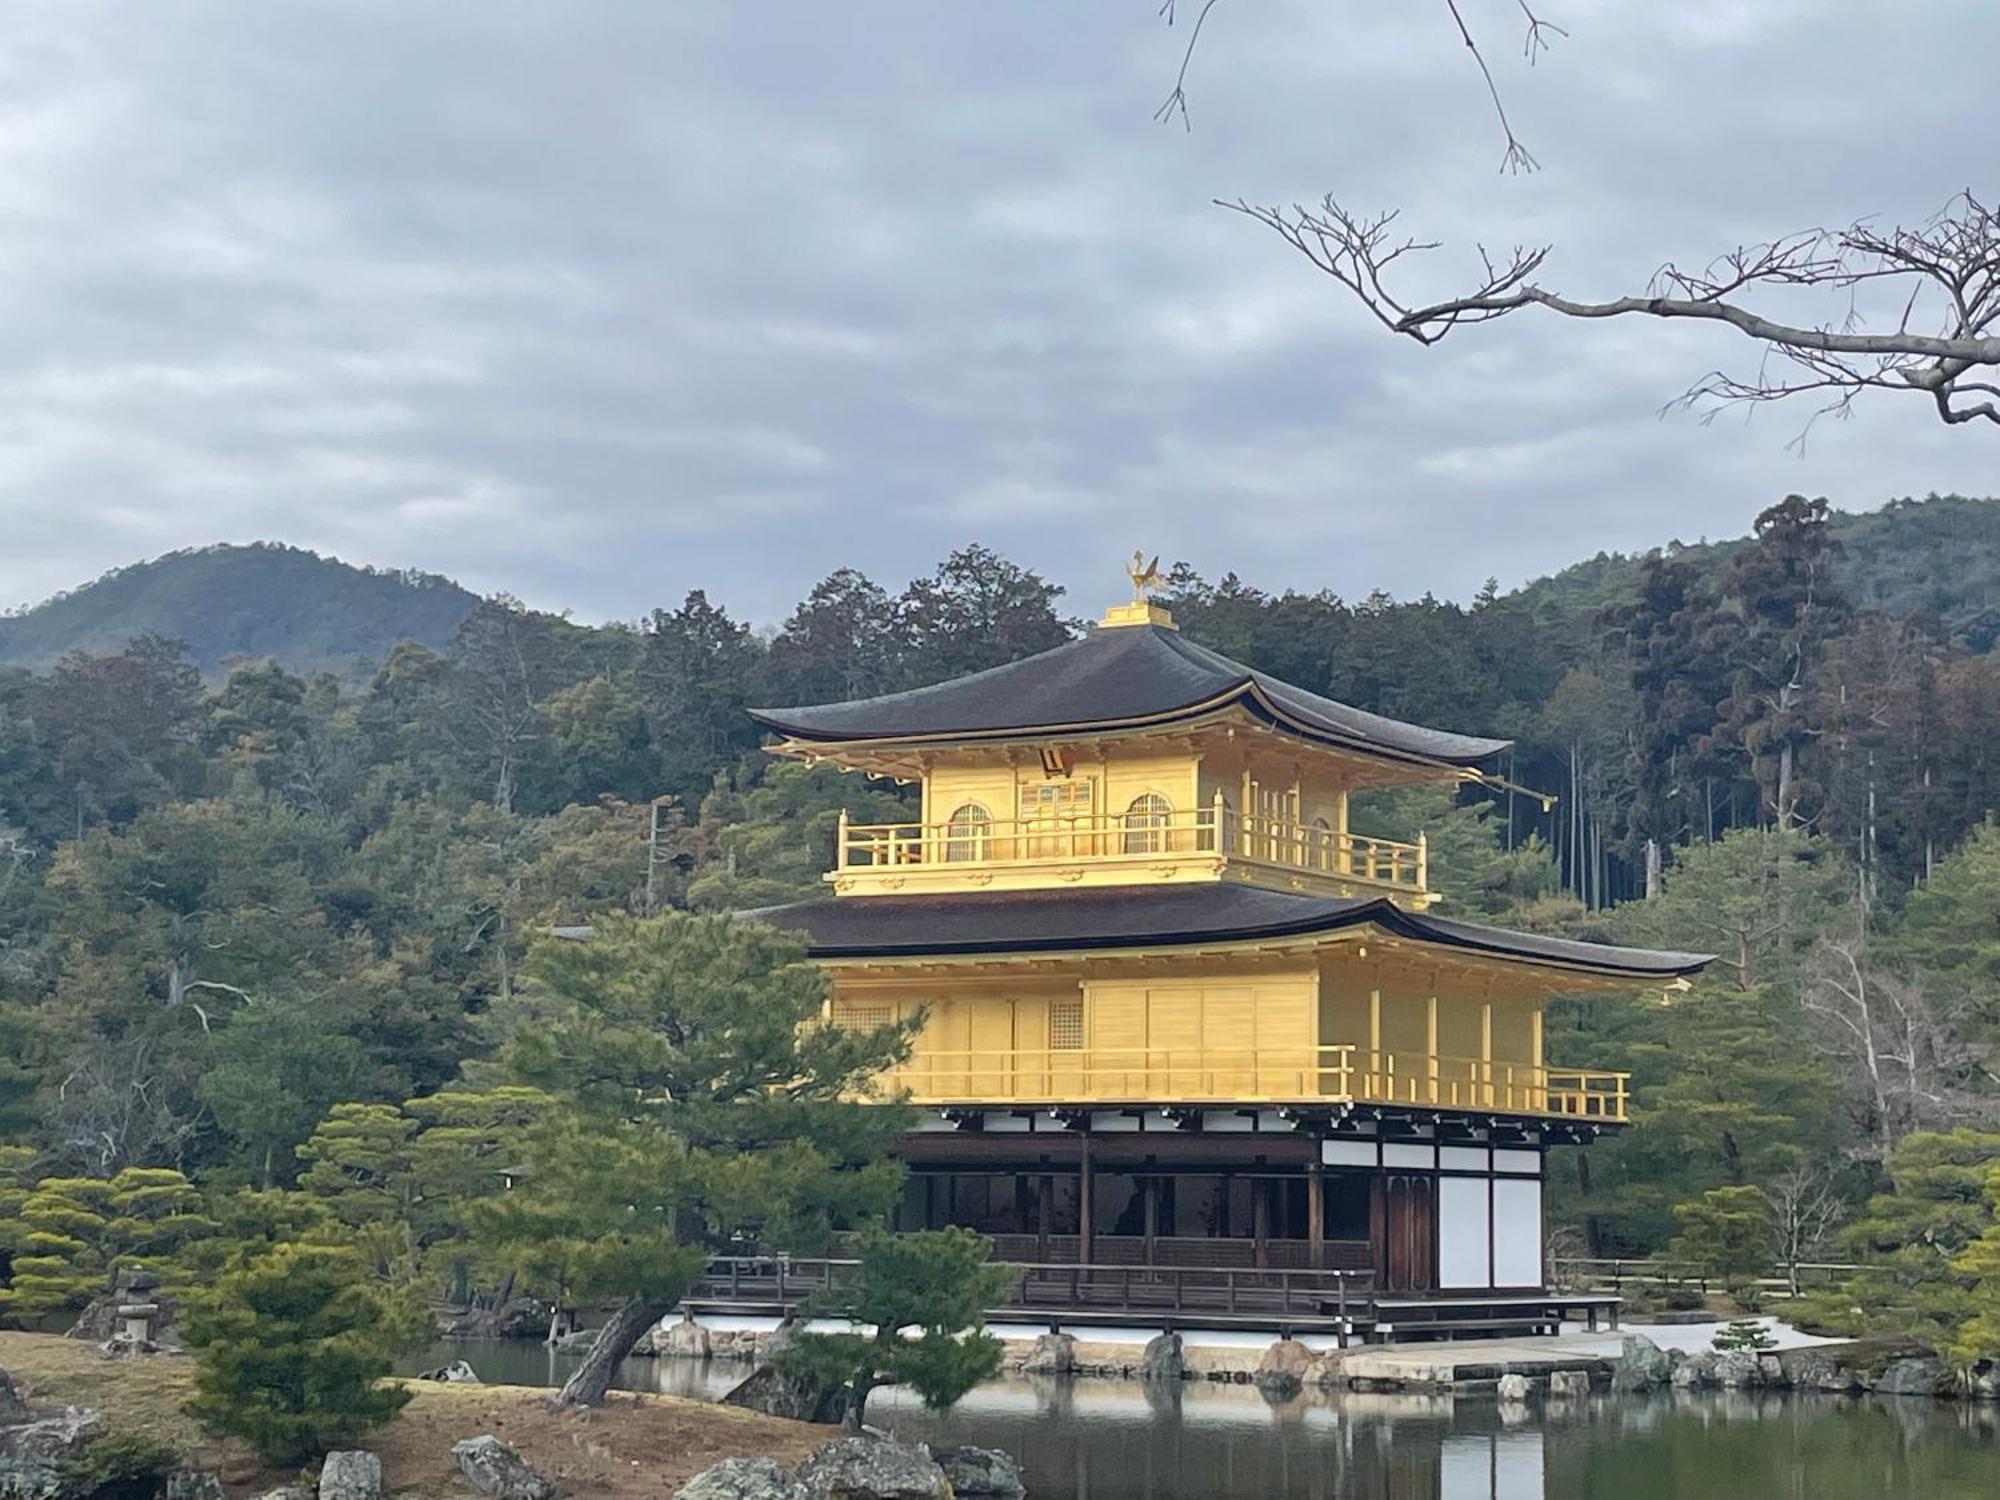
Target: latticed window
x=966, y=834
x=1066, y=1024
x=862, y=1015
x=1056, y=799
x=1146, y=824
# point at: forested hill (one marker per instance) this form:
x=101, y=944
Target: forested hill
x=311, y=613
x=1940, y=554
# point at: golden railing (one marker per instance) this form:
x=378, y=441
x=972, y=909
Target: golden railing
x=1139, y=837
x=1275, y=1075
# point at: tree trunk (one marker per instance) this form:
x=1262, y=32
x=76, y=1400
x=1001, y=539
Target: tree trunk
x=593, y=1377
x=857, y=1401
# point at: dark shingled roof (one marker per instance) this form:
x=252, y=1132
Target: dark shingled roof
x=1184, y=915
x=1116, y=677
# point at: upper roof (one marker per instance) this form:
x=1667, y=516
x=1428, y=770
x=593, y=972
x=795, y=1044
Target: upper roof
x=1172, y=916
x=1117, y=678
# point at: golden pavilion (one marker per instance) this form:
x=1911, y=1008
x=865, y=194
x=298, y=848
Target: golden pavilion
x=1177, y=1013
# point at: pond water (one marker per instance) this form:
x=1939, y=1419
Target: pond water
x=1114, y=1440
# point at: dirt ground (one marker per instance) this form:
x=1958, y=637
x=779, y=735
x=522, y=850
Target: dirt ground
x=632, y=1448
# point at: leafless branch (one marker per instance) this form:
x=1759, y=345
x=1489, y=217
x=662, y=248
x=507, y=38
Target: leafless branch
x=1944, y=275
x=1535, y=42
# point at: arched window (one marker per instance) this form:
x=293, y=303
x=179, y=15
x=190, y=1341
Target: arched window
x=1146, y=824
x=966, y=834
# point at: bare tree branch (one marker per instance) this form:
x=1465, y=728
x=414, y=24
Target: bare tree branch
x=1944, y=274
x=1536, y=41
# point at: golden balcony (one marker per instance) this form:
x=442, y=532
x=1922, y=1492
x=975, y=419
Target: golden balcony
x=1206, y=843
x=1281, y=1075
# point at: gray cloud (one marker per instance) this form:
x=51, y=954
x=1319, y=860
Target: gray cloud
x=598, y=302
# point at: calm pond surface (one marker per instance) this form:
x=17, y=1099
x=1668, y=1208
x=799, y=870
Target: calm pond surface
x=1113, y=1440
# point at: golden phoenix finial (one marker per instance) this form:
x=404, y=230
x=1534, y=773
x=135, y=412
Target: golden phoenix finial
x=1145, y=575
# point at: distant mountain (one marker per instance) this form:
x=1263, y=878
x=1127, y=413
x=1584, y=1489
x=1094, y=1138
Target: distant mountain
x=312, y=613
x=1941, y=554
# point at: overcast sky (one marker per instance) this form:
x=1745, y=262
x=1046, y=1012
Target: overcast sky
x=595, y=303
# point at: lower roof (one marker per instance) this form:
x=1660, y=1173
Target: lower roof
x=856, y=927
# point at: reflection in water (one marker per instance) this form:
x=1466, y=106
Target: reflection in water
x=1114, y=1440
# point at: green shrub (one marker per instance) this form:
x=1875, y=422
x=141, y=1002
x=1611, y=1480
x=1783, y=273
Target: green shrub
x=1745, y=1334
x=293, y=1346
x=120, y=1466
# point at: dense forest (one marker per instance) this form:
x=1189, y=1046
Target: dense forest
x=235, y=912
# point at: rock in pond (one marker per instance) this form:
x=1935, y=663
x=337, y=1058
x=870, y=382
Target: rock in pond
x=1737, y=1370
x=872, y=1468
x=1642, y=1365
x=686, y=1339
x=1163, y=1359
x=1569, y=1384
x=350, y=1474
x=1053, y=1354
x=1285, y=1367
x=458, y=1372
x=981, y=1473
x=742, y=1479
x=581, y=1342
x=1512, y=1388
x=492, y=1468
x=1918, y=1376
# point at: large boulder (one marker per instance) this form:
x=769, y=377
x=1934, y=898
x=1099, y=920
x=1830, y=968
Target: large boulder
x=350, y=1474
x=743, y=1479
x=1285, y=1368
x=458, y=1372
x=1982, y=1381
x=778, y=1392
x=30, y=1479
x=1920, y=1375
x=12, y=1408
x=1642, y=1365
x=1694, y=1372
x=581, y=1342
x=686, y=1339
x=492, y=1468
x=52, y=1439
x=1737, y=1370
x=872, y=1468
x=1512, y=1388
x=1052, y=1354
x=1163, y=1359
x=1569, y=1384
x=1810, y=1370
x=981, y=1473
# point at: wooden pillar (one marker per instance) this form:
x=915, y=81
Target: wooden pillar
x=1260, y=1220
x=1375, y=1043
x=1149, y=1188
x=1486, y=1050
x=1084, y=1228
x=1538, y=1074
x=1044, y=1218
x=1431, y=1048
x=1316, y=1210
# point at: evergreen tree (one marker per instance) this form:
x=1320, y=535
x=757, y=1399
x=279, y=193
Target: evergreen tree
x=936, y=1282
x=698, y=1106
x=292, y=1350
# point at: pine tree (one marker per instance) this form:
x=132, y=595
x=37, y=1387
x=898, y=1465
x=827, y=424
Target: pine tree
x=936, y=1282
x=700, y=1103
